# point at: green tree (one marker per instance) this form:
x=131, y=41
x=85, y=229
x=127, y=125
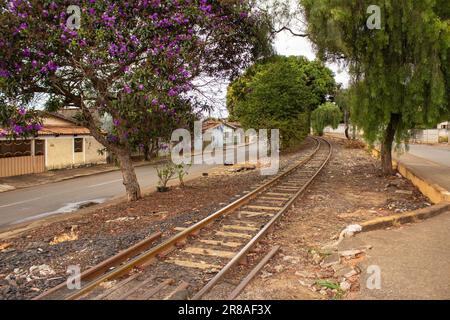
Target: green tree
x=280, y=93
x=327, y=114
x=400, y=70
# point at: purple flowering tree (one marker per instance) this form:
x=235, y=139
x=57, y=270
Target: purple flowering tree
x=18, y=122
x=145, y=49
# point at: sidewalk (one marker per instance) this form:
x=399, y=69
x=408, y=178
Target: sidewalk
x=414, y=260
x=31, y=180
x=432, y=171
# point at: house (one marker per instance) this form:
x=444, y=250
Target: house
x=217, y=132
x=61, y=143
x=444, y=125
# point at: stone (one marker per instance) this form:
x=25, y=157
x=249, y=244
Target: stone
x=407, y=192
x=316, y=258
x=265, y=274
x=345, y=285
x=41, y=271
x=341, y=272
x=351, y=273
x=350, y=253
x=307, y=282
x=6, y=187
x=35, y=245
x=331, y=260
x=278, y=268
x=305, y=274
x=4, y=246
x=291, y=259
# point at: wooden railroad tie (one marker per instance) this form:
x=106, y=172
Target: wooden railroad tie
x=194, y=265
x=251, y=214
x=222, y=243
x=233, y=234
x=241, y=228
x=264, y=208
x=209, y=252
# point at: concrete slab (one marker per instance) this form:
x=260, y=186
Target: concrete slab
x=414, y=260
x=434, y=172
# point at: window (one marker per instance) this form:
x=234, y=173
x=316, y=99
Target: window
x=78, y=144
x=39, y=147
x=15, y=148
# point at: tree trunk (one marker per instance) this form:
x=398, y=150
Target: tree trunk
x=347, y=126
x=129, y=175
x=346, y=132
x=386, y=146
x=146, y=152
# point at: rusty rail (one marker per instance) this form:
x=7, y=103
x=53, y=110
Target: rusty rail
x=148, y=256
x=241, y=254
x=233, y=295
x=104, y=266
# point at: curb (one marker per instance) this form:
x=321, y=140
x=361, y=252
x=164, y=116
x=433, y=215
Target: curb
x=410, y=217
x=8, y=188
x=433, y=191
x=113, y=169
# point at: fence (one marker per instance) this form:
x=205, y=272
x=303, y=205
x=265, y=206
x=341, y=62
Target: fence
x=17, y=166
x=429, y=135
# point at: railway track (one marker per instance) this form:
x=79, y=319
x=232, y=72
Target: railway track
x=191, y=263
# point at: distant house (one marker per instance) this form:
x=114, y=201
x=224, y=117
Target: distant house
x=444, y=125
x=217, y=132
x=61, y=143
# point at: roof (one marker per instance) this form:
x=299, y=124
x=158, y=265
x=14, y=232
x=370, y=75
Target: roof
x=59, y=116
x=212, y=124
x=63, y=130
x=67, y=126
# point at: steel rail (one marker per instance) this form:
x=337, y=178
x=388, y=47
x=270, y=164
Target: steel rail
x=107, y=264
x=171, y=243
x=243, y=252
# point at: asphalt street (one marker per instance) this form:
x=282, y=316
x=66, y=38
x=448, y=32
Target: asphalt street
x=438, y=154
x=33, y=203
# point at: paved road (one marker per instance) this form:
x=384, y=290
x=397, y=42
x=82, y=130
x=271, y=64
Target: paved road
x=41, y=201
x=438, y=154
x=414, y=260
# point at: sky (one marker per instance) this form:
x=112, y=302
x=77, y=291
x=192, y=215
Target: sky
x=288, y=45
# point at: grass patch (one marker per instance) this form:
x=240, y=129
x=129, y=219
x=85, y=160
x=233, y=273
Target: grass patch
x=332, y=286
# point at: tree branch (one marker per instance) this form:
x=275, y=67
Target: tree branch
x=303, y=35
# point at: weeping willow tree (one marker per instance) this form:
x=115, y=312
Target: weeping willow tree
x=327, y=114
x=398, y=55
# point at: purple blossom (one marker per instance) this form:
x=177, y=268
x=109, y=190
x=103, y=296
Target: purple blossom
x=172, y=93
x=127, y=89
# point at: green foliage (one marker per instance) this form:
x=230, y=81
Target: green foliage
x=328, y=114
x=279, y=93
x=333, y=286
x=182, y=171
x=166, y=173
x=403, y=69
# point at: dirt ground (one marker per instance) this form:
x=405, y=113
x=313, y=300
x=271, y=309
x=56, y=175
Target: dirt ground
x=350, y=190
x=38, y=258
